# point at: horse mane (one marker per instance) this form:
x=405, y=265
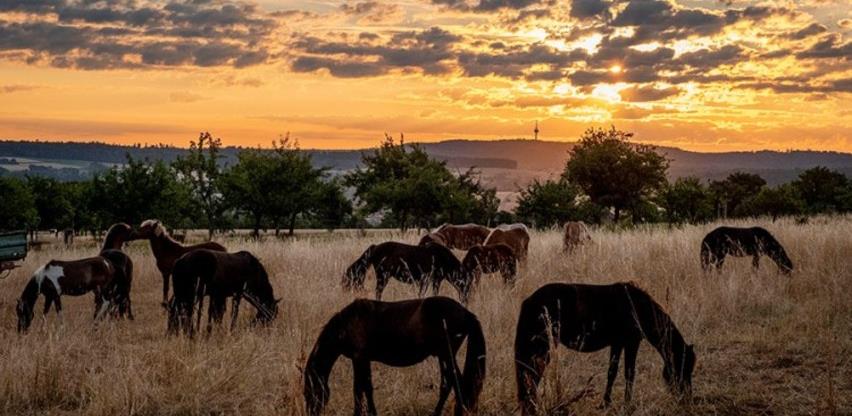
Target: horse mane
x=655, y=323
x=357, y=271
x=320, y=363
x=109, y=240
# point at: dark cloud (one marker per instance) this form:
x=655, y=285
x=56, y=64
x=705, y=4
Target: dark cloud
x=89, y=34
x=585, y=9
x=647, y=93
x=486, y=6
x=830, y=46
x=833, y=86
x=371, y=10
x=806, y=32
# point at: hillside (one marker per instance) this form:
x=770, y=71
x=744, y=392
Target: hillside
x=506, y=164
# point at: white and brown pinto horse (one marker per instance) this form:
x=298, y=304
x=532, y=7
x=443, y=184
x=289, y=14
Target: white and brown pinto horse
x=108, y=276
x=166, y=250
x=515, y=236
x=460, y=237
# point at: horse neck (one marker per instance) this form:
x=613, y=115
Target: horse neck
x=112, y=242
x=658, y=328
x=164, y=244
x=325, y=352
x=30, y=293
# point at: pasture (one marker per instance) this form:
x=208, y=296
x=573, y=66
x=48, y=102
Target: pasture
x=766, y=343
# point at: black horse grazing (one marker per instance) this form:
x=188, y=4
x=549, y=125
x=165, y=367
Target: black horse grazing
x=219, y=275
x=491, y=259
x=399, y=334
x=588, y=318
x=410, y=264
x=740, y=242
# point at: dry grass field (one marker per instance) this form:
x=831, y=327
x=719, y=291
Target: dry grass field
x=766, y=343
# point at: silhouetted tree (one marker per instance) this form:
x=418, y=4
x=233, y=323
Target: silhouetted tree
x=728, y=194
x=548, y=203
x=775, y=202
x=17, y=205
x=822, y=189
x=614, y=172
x=199, y=169
x=686, y=200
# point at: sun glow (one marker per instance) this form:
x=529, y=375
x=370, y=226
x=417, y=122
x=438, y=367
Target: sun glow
x=615, y=69
x=607, y=92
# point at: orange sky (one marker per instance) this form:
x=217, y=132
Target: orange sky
x=700, y=75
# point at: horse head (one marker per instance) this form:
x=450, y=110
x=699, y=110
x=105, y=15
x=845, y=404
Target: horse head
x=355, y=274
x=147, y=230
x=24, y=310
x=678, y=372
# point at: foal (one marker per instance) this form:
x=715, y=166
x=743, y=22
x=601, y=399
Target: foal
x=740, y=242
x=219, y=275
x=399, y=334
x=588, y=318
x=166, y=250
x=409, y=264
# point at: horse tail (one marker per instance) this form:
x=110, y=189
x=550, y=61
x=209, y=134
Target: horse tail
x=357, y=272
x=474, y=367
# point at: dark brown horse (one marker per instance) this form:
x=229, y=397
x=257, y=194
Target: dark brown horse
x=421, y=265
x=72, y=278
x=117, y=235
x=219, y=275
x=399, y=334
x=166, y=250
x=516, y=236
x=741, y=242
x=588, y=318
x=461, y=237
x=491, y=259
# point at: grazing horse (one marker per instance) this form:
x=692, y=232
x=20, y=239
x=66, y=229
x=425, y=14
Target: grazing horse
x=740, y=242
x=461, y=237
x=575, y=234
x=399, y=334
x=491, y=259
x=515, y=236
x=219, y=275
x=72, y=278
x=588, y=318
x=409, y=264
x=166, y=250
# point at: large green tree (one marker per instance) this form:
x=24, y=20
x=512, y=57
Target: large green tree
x=686, y=201
x=548, y=203
x=615, y=173
x=200, y=171
x=731, y=192
x=822, y=189
x=53, y=202
x=774, y=202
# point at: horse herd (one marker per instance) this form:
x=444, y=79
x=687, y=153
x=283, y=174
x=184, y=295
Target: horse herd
x=584, y=318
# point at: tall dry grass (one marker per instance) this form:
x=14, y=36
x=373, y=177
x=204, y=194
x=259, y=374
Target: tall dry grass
x=766, y=343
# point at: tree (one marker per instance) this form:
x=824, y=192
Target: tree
x=199, y=170
x=403, y=181
x=548, y=203
x=331, y=208
x=775, y=202
x=734, y=190
x=52, y=202
x=244, y=186
x=686, y=200
x=614, y=172
x=17, y=205
x=470, y=201
x=822, y=189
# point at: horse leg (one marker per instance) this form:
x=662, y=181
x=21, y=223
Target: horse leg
x=449, y=381
x=381, y=282
x=215, y=312
x=48, y=300
x=755, y=261
x=630, y=351
x=235, y=310
x=614, y=357
x=165, y=289
x=363, y=387
x=99, y=301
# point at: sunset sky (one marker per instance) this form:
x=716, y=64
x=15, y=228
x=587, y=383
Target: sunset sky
x=696, y=74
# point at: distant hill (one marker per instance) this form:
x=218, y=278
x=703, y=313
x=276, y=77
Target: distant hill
x=506, y=164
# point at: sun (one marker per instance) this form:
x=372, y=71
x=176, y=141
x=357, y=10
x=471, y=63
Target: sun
x=615, y=69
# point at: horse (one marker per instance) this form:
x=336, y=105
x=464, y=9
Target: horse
x=740, y=242
x=461, y=237
x=516, y=236
x=114, y=242
x=409, y=264
x=72, y=278
x=588, y=318
x=575, y=234
x=219, y=275
x=399, y=334
x=491, y=259
x=166, y=250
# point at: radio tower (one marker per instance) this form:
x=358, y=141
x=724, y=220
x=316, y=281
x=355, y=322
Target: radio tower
x=535, y=131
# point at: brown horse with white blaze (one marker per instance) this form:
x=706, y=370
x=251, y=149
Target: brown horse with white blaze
x=399, y=334
x=166, y=250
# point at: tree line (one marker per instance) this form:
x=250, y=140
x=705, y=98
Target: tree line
x=607, y=178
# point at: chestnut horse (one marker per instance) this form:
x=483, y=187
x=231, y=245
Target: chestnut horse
x=399, y=334
x=575, y=233
x=166, y=250
x=516, y=236
x=461, y=237
x=430, y=263
x=219, y=275
x=491, y=259
x=71, y=278
x=740, y=242
x=588, y=318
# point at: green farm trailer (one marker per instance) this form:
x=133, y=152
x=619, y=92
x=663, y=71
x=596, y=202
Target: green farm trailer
x=13, y=247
